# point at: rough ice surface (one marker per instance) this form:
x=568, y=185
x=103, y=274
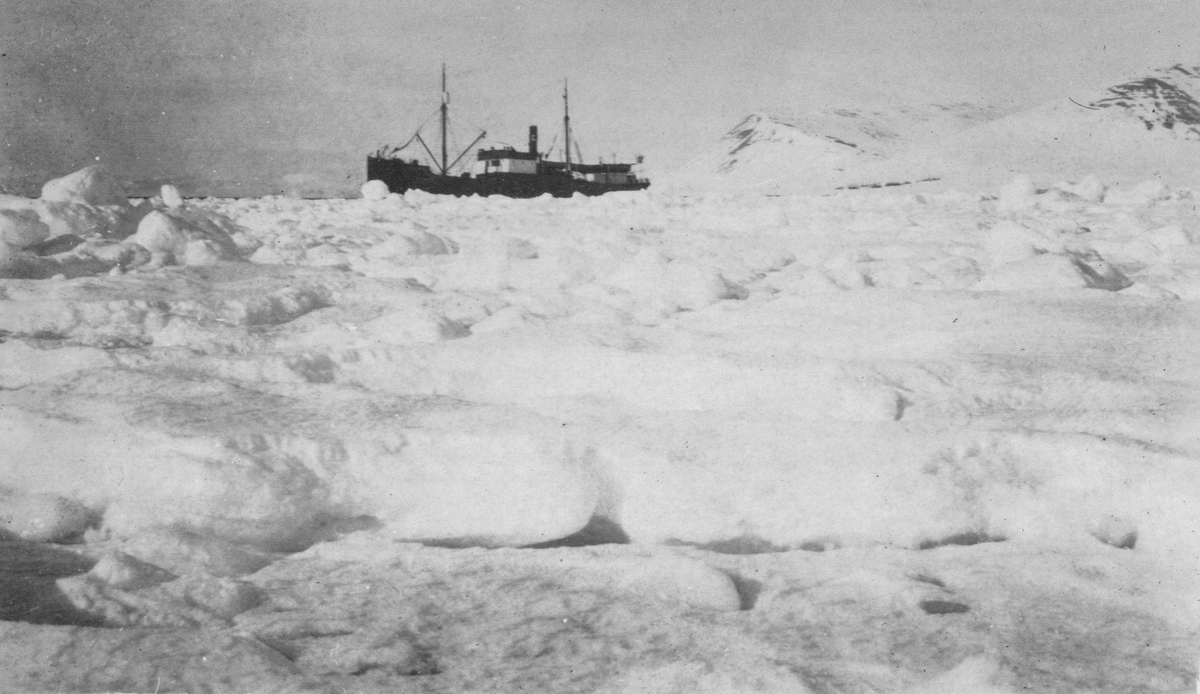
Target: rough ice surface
x=638, y=443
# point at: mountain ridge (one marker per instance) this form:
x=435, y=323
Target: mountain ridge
x=1147, y=126
x=1178, y=106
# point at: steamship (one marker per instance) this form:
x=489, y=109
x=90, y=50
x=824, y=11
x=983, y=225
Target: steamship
x=500, y=171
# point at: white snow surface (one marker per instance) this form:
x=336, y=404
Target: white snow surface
x=1147, y=127
x=924, y=442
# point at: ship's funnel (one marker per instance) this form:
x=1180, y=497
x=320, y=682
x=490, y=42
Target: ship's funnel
x=533, y=140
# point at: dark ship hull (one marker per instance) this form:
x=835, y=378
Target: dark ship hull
x=401, y=175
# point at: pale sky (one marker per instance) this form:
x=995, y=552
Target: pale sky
x=255, y=96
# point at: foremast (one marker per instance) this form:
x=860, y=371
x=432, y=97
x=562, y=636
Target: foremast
x=445, y=117
x=567, y=127
x=443, y=164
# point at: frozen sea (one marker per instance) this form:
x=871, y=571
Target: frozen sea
x=651, y=442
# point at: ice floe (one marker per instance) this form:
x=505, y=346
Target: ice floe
x=897, y=434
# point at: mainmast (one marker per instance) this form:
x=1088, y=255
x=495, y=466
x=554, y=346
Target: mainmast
x=445, y=112
x=567, y=125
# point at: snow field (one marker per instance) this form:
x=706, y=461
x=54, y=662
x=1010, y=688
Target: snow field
x=852, y=373
x=616, y=264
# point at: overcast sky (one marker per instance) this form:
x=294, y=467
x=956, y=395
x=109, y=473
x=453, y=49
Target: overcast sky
x=259, y=95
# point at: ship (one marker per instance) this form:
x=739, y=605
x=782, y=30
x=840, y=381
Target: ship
x=503, y=171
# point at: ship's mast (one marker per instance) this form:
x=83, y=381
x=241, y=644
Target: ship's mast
x=445, y=112
x=567, y=125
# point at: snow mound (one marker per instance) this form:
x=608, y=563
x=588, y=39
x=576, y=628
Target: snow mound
x=674, y=284
x=412, y=242
x=374, y=190
x=972, y=676
x=479, y=476
x=1054, y=270
x=413, y=325
x=122, y=571
x=160, y=600
x=171, y=197
x=83, y=226
x=1091, y=188
x=43, y=517
x=22, y=228
x=172, y=239
x=92, y=185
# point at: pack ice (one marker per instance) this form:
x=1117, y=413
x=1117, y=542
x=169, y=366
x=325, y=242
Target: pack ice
x=861, y=442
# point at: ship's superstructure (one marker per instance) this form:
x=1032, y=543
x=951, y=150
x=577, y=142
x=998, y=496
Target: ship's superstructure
x=500, y=171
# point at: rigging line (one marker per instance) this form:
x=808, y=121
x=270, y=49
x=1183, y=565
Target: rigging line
x=468, y=148
x=472, y=123
x=430, y=152
x=475, y=125
x=426, y=121
x=406, y=144
x=417, y=133
x=454, y=142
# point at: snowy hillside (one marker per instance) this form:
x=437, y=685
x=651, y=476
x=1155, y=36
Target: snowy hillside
x=1147, y=127
x=1143, y=128
x=634, y=444
x=886, y=131
x=766, y=152
x=763, y=149
x=1165, y=100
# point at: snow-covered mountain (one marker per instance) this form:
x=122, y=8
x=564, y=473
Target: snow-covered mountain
x=1146, y=127
x=1165, y=100
x=888, y=130
x=765, y=151
x=758, y=133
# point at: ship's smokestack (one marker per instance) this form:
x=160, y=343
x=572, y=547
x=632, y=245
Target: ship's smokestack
x=533, y=140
